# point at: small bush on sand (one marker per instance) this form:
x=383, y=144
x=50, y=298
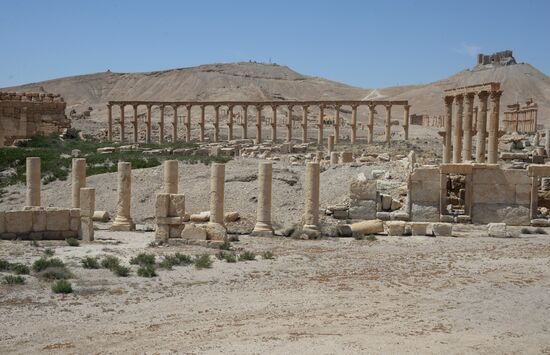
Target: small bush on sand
x=62, y=286
x=20, y=269
x=177, y=259
x=4, y=265
x=90, y=263
x=13, y=280
x=121, y=271
x=147, y=271
x=72, y=242
x=226, y=245
x=203, y=261
x=143, y=259
x=247, y=256
x=55, y=273
x=44, y=263
x=358, y=236
x=372, y=238
x=110, y=262
x=268, y=255
x=228, y=256
x=49, y=252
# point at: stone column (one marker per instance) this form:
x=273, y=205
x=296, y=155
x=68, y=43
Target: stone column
x=370, y=124
x=467, y=152
x=263, y=220
x=122, y=132
x=148, y=128
x=175, y=124
x=245, y=121
x=188, y=124
x=457, y=143
x=312, y=182
x=216, y=123
x=78, y=179
x=534, y=197
x=547, y=141
x=171, y=176
x=274, y=124
x=230, y=123
x=33, y=182
x=217, y=179
x=109, y=122
x=330, y=144
x=448, y=125
x=201, y=124
x=334, y=158
x=304, y=123
x=161, y=124
x=320, y=125
x=135, y=124
x=258, y=124
x=123, y=220
x=388, y=124
x=493, y=128
x=86, y=197
x=289, y=125
x=337, y=124
x=406, y=110
x=481, y=127
x=353, y=123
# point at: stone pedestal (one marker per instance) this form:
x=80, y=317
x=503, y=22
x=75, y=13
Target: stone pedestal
x=346, y=157
x=312, y=185
x=263, y=220
x=217, y=180
x=123, y=220
x=171, y=176
x=33, y=182
x=334, y=158
x=78, y=179
x=87, y=209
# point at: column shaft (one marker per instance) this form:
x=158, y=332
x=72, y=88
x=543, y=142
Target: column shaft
x=263, y=219
x=171, y=176
x=320, y=125
x=312, y=181
x=216, y=123
x=161, y=125
x=370, y=124
x=148, y=128
x=406, y=110
x=448, y=125
x=202, y=122
x=304, y=124
x=78, y=180
x=481, y=127
x=109, y=123
x=33, y=182
x=135, y=124
x=457, y=143
x=175, y=125
x=122, y=132
x=258, y=124
x=188, y=124
x=388, y=124
x=274, y=125
x=467, y=152
x=230, y=123
x=337, y=124
x=123, y=220
x=494, y=127
x=289, y=125
x=217, y=179
x=245, y=121
x=353, y=124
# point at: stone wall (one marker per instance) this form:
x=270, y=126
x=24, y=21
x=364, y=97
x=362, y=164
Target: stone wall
x=28, y=114
x=40, y=223
x=424, y=191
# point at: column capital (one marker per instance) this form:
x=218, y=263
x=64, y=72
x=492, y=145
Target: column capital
x=470, y=96
x=406, y=107
x=274, y=106
x=354, y=106
x=290, y=106
x=495, y=95
x=388, y=105
x=459, y=99
x=305, y=107
x=449, y=99
x=483, y=95
x=371, y=106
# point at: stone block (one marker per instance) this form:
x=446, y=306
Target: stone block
x=442, y=229
x=513, y=215
x=386, y=201
x=363, y=190
x=162, y=232
x=362, y=209
x=87, y=201
x=385, y=216
x=18, y=221
x=177, y=205
x=424, y=191
x=101, y=216
x=499, y=176
x=494, y=194
x=74, y=212
x=87, y=229
x=200, y=217
x=2, y=222
x=346, y=157
x=419, y=228
x=68, y=234
x=538, y=170
x=57, y=220
x=36, y=235
x=425, y=174
x=170, y=220
x=395, y=228
x=425, y=212
x=230, y=217
x=192, y=232
x=460, y=168
x=399, y=216
x=497, y=230
x=38, y=220
x=53, y=235
x=175, y=231
x=8, y=236
x=375, y=226
x=463, y=219
x=215, y=231
x=523, y=194
x=75, y=223
x=540, y=222
x=162, y=205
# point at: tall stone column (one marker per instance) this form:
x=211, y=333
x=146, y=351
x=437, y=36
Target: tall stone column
x=337, y=124
x=123, y=220
x=188, y=124
x=217, y=180
x=448, y=125
x=216, y=123
x=547, y=141
x=353, y=123
x=467, y=152
x=171, y=176
x=406, y=110
x=494, y=127
x=258, y=124
x=78, y=180
x=320, y=125
x=312, y=182
x=230, y=123
x=33, y=182
x=86, y=197
x=175, y=124
x=202, y=123
x=388, y=124
x=370, y=123
x=122, y=131
x=304, y=123
x=263, y=220
x=161, y=124
x=274, y=124
x=135, y=124
x=330, y=144
x=289, y=125
x=245, y=121
x=457, y=143
x=109, y=122
x=148, y=128
x=481, y=127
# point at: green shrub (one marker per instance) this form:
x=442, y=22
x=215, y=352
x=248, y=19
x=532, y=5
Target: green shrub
x=44, y=263
x=540, y=230
x=62, y=286
x=372, y=238
x=247, y=255
x=121, y=271
x=90, y=263
x=73, y=242
x=268, y=255
x=13, y=280
x=358, y=236
x=4, y=265
x=143, y=259
x=20, y=269
x=110, y=262
x=228, y=256
x=49, y=252
x=226, y=245
x=203, y=261
x=147, y=270
x=55, y=273
x=183, y=259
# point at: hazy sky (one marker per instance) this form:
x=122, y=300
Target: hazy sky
x=364, y=43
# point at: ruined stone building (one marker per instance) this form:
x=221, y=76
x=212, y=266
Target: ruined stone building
x=24, y=115
x=498, y=58
x=521, y=119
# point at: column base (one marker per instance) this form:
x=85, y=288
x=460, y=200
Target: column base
x=262, y=229
x=311, y=230
x=123, y=225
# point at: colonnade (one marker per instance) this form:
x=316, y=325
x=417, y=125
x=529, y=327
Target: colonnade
x=259, y=108
x=458, y=137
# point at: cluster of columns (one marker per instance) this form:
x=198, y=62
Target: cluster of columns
x=458, y=137
x=259, y=108
x=521, y=118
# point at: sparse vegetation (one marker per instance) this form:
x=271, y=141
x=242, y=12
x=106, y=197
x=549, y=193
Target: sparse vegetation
x=90, y=263
x=372, y=238
x=55, y=273
x=143, y=259
x=226, y=245
x=73, y=242
x=110, y=262
x=358, y=236
x=4, y=265
x=62, y=286
x=49, y=252
x=13, y=280
x=228, y=256
x=203, y=261
x=177, y=259
x=20, y=269
x=247, y=256
x=147, y=270
x=120, y=270
x=44, y=263
x=268, y=255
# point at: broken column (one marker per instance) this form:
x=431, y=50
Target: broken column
x=33, y=182
x=263, y=220
x=320, y=125
x=330, y=144
x=388, y=124
x=78, y=178
x=481, y=127
x=87, y=209
x=447, y=144
x=123, y=220
x=312, y=182
x=370, y=123
x=457, y=143
x=171, y=176
x=217, y=179
x=109, y=123
x=406, y=120
x=304, y=123
x=337, y=124
x=494, y=127
x=467, y=152
x=334, y=158
x=353, y=123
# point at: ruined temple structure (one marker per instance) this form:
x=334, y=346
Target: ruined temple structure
x=498, y=58
x=426, y=120
x=522, y=119
x=258, y=108
x=24, y=115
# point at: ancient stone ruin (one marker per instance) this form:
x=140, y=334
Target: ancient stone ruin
x=522, y=119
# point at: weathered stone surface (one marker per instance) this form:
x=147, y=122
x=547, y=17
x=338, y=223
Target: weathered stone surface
x=497, y=230
x=395, y=228
x=2, y=222
x=513, y=215
x=57, y=220
x=200, y=217
x=162, y=205
x=385, y=216
x=424, y=191
x=193, y=232
x=538, y=170
x=39, y=220
x=442, y=229
x=74, y=224
x=215, y=231
x=424, y=212
x=368, y=227
x=18, y=221
x=385, y=201
x=430, y=173
x=493, y=194
x=101, y=216
x=177, y=205
x=362, y=209
x=523, y=194
x=363, y=190
x=419, y=228
x=169, y=220
x=231, y=217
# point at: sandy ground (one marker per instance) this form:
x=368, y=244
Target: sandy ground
x=394, y=295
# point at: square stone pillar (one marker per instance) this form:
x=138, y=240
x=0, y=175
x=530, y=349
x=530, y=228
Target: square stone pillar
x=33, y=182
x=87, y=209
x=78, y=180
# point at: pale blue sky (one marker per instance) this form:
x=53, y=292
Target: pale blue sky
x=364, y=43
